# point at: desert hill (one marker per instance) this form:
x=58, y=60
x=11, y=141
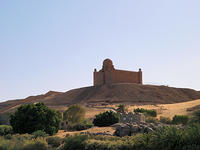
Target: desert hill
x=110, y=94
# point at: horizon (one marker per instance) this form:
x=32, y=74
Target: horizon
x=55, y=46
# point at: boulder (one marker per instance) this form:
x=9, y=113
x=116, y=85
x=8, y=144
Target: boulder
x=127, y=129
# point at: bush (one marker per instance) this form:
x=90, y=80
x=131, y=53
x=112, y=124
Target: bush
x=106, y=119
x=122, y=108
x=39, y=133
x=4, y=119
x=146, y=112
x=74, y=114
x=196, y=117
x=54, y=141
x=151, y=120
x=22, y=142
x=165, y=120
x=76, y=142
x=180, y=119
x=38, y=144
x=85, y=124
x=167, y=138
x=32, y=117
x=5, y=129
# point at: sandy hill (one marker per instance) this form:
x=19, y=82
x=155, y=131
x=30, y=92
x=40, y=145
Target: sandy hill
x=109, y=94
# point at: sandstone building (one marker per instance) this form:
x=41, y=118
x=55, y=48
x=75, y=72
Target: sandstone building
x=108, y=74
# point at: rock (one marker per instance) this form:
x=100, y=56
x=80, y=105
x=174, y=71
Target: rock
x=127, y=129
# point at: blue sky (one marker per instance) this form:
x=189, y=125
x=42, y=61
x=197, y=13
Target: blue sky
x=55, y=45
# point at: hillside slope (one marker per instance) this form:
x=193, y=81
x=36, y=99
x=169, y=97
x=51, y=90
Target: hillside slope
x=125, y=93
x=111, y=94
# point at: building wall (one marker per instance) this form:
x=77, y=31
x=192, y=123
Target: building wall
x=120, y=76
x=117, y=76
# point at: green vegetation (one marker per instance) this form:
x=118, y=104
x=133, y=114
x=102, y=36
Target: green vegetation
x=5, y=129
x=165, y=120
x=122, y=108
x=39, y=133
x=150, y=119
x=32, y=117
x=4, y=119
x=74, y=114
x=106, y=119
x=75, y=119
x=146, y=112
x=76, y=142
x=196, y=117
x=180, y=119
x=54, y=141
x=166, y=138
x=85, y=124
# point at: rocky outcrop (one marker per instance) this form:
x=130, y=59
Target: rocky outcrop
x=131, y=117
x=129, y=129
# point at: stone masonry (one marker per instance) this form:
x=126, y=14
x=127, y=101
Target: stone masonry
x=108, y=74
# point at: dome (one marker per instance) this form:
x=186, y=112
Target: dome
x=108, y=64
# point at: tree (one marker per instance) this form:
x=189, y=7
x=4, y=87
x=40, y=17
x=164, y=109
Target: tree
x=122, y=108
x=74, y=114
x=106, y=119
x=32, y=117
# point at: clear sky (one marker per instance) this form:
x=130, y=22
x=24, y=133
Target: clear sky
x=56, y=44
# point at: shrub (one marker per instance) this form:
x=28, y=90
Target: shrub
x=32, y=117
x=196, y=117
x=38, y=144
x=5, y=129
x=151, y=119
x=122, y=108
x=54, y=141
x=85, y=124
x=165, y=120
x=167, y=138
x=106, y=119
x=180, y=119
x=4, y=119
x=76, y=142
x=39, y=133
x=74, y=114
x=147, y=112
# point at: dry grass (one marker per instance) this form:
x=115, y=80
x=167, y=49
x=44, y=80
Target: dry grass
x=63, y=133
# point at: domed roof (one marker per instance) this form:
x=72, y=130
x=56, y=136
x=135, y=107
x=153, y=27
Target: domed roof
x=108, y=64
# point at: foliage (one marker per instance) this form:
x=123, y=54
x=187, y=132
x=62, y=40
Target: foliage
x=85, y=124
x=106, y=119
x=4, y=119
x=75, y=119
x=196, y=117
x=147, y=112
x=180, y=119
x=76, y=142
x=151, y=119
x=165, y=138
x=38, y=144
x=5, y=129
x=32, y=117
x=74, y=114
x=54, y=141
x=39, y=133
x=165, y=120
x=122, y=108
x=22, y=142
